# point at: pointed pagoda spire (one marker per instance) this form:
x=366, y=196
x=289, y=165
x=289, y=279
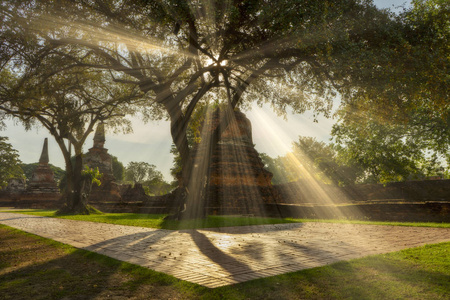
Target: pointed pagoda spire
x=99, y=137
x=43, y=160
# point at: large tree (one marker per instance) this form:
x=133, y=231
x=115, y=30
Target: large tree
x=182, y=53
x=390, y=151
x=68, y=106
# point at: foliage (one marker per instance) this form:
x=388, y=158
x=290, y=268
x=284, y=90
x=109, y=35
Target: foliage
x=68, y=105
x=320, y=160
x=278, y=167
x=310, y=159
x=118, y=169
x=284, y=52
x=41, y=86
x=9, y=162
x=91, y=176
x=369, y=152
x=147, y=175
x=399, y=128
x=158, y=187
x=141, y=172
x=386, y=151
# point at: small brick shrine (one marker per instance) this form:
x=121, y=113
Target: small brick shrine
x=42, y=190
x=43, y=179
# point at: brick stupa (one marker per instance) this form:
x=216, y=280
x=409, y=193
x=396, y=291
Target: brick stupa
x=238, y=182
x=43, y=179
x=98, y=157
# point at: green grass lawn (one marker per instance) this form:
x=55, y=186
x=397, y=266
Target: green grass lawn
x=157, y=220
x=32, y=267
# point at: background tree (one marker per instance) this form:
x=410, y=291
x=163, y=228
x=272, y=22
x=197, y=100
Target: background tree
x=158, y=186
x=68, y=105
x=311, y=158
x=389, y=152
x=147, y=175
x=320, y=161
x=118, y=169
x=404, y=117
x=281, y=168
x=366, y=153
x=141, y=172
x=9, y=163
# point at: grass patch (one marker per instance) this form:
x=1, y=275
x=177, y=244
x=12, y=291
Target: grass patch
x=38, y=268
x=417, y=273
x=157, y=220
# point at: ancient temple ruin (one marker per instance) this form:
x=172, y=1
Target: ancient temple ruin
x=16, y=186
x=238, y=182
x=43, y=180
x=98, y=157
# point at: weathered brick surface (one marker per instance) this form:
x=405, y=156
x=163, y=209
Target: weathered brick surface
x=223, y=256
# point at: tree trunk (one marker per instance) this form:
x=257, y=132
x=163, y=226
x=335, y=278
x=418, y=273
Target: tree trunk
x=195, y=170
x=79, y=204
x=75, y=204
x=189, y=199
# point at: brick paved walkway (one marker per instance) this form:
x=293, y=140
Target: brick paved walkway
x=222, y=256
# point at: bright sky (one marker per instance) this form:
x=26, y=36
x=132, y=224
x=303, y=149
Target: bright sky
x=151, y=142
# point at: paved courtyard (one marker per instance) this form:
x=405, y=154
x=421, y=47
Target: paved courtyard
x=222, y=256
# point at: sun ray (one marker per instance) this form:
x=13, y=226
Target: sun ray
x=319, y=197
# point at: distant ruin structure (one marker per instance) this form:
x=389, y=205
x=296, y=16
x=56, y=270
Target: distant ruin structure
x=98, y=157
x=16, y=185
x=43, y=179
x=238, y=182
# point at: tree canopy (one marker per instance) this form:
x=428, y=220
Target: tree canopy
x=68, y=104
x=141, y=172
x=118, y=169
x=369, y=154
x=147, y=175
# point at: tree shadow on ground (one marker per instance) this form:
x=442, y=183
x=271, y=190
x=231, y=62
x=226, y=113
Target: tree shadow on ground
x=33, y=268
x=227, y=262
x=34, y=271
